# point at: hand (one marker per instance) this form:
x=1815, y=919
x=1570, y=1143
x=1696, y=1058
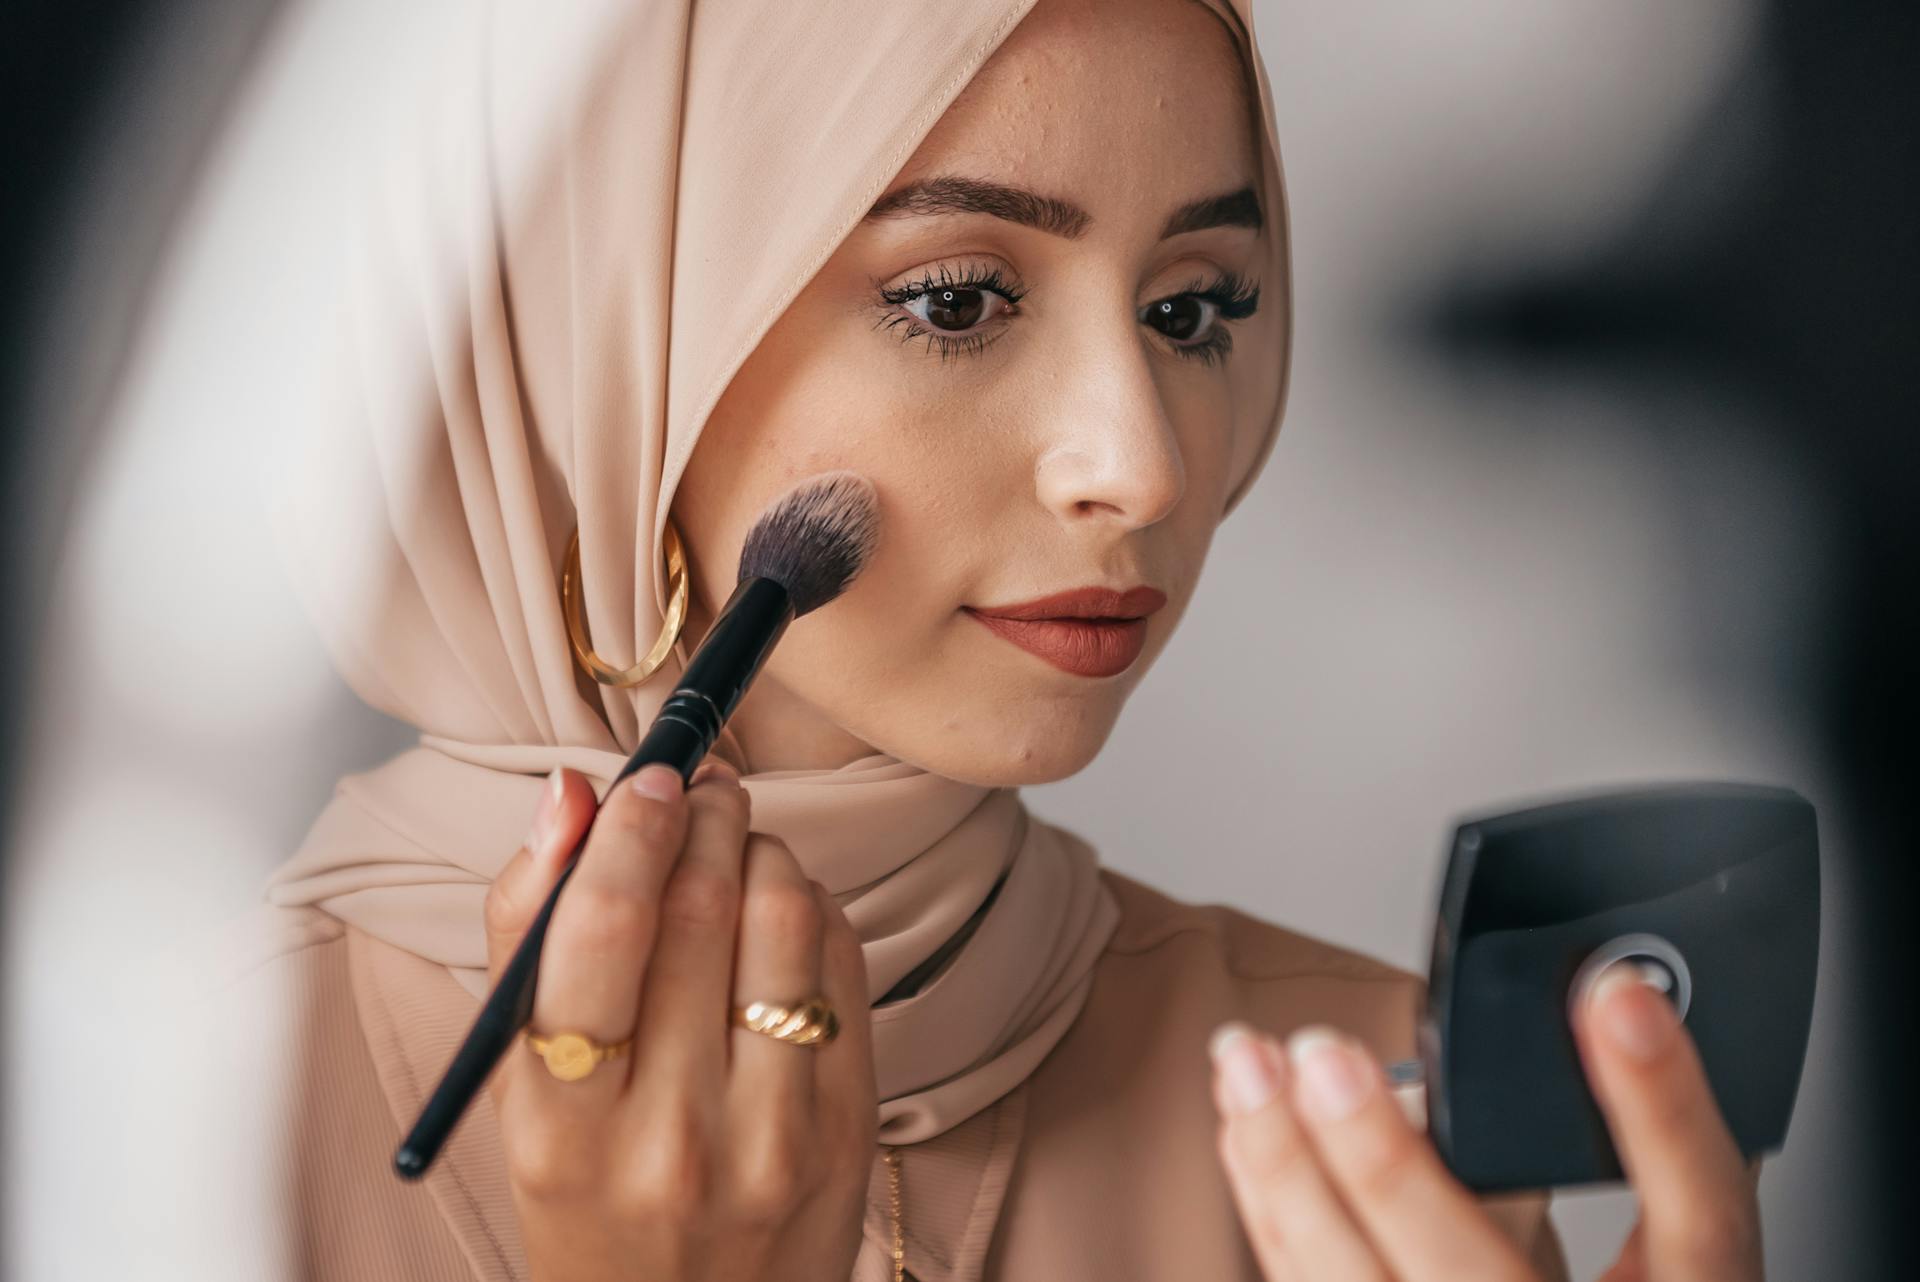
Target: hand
x=1332, y=1182
x=707, y=1151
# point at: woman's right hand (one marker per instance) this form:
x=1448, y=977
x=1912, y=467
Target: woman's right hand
x=707, y=1151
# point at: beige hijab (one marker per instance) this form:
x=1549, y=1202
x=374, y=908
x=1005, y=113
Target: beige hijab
x=593, y=216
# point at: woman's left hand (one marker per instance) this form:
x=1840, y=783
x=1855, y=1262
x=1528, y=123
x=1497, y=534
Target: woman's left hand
x=1332, y=1181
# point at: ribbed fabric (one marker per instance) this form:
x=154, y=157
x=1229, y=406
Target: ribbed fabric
x=410, y=1030
x=344, y=1214
x=951, y=1191
x=1101, y=1167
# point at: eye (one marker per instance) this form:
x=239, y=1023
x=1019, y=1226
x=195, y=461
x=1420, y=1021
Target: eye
x=1194, y=319
x=953, y=313
x=957, y=313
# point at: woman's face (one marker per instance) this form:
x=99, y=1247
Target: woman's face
x=1047, y=392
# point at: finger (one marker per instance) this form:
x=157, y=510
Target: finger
x=601, y=937
x=770, y=1085
x=1696, y=1191
x=1292, y=1215
x=844, y=1085
x=777, y=960
x=683, y=1010
x=1423, y=1221
x=514, y=898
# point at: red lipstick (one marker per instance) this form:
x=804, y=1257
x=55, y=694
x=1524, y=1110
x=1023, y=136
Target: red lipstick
x=1092, y=632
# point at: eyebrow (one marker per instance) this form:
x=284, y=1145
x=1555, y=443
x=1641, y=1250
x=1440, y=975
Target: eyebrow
x=1056, y=217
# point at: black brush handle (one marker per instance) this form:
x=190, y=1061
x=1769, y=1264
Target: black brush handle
x=754, y=618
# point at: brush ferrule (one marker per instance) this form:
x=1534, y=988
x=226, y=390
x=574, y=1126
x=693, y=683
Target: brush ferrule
x=727, y=660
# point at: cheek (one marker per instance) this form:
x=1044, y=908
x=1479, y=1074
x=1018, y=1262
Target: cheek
x=946, y=478
x=857, y=404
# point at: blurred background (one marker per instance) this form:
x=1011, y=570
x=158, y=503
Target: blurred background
x=1598, y=470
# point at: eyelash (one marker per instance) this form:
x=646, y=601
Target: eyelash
x=1233, y=295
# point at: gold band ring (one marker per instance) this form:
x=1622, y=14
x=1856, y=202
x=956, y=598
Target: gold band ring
x=808, y=1023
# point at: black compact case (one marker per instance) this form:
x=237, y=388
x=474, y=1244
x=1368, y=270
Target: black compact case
x=1713, y=887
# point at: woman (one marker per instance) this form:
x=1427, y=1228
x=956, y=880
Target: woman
x=1024, y=267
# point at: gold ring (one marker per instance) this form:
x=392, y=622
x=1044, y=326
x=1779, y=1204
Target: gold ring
x=809, y=1023
x=571, y=1056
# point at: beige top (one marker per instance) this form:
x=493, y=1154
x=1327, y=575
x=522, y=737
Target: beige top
x=1100, y=1167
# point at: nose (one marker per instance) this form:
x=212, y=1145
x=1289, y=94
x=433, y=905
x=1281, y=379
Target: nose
x=1110, y=452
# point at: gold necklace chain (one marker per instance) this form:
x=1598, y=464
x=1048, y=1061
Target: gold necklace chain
x=893, y=1195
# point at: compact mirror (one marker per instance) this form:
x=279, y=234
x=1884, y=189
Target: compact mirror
x=1712, y=890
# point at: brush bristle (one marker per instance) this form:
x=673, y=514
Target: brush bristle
x=815, y=538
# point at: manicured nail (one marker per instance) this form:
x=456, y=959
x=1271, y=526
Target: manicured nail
x=1333, y=1080
x=657, y=782
x=543, y=812
x=1640, y=1025
x=1246, y=1074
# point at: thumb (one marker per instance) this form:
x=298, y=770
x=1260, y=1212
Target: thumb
x=565, y=811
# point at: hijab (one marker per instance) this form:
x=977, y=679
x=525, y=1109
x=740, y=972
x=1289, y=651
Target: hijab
x=571, y=240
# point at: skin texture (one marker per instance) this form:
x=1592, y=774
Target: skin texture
x=1077, y=447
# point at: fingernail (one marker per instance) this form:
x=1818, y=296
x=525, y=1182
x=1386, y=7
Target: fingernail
x=1245, y=1072
x=657, y=782
x=1641, y=1026
x=543, y=812
x=1333, y=1081
x=713, y=766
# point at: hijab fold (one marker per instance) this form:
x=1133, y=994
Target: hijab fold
x=908, y=854
x=581, y=221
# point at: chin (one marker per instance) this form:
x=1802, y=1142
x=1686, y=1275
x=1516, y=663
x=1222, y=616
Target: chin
x=985, y=714
x=998, y=744
x=995, y=765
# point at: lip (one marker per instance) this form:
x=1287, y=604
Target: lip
x=1091, y=632
x=1083, y=603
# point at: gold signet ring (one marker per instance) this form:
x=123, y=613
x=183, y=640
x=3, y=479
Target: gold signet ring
x=571, y=1056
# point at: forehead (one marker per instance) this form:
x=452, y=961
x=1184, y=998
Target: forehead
x=1114, y=104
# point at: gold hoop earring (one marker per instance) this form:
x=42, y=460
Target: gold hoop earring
x=599, y=669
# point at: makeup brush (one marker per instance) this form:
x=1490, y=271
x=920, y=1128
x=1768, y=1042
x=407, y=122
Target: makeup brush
x=802, y=553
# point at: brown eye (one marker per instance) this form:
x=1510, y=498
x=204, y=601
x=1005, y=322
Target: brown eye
x=1183, y=317
x=953, y=313
x=952, y=308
